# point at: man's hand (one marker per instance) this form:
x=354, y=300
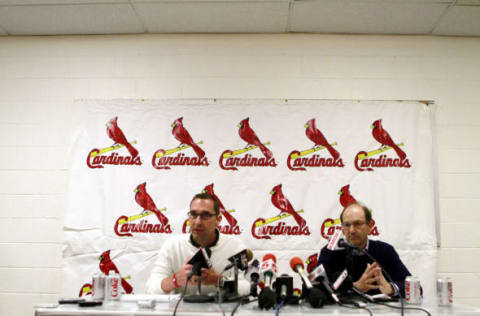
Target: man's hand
x=209, y=276
x=368, y=280
x=372, y=278
x=384, y=286
x=182, y=274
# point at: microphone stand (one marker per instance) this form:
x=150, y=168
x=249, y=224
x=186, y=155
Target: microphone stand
x=198, y=297
x=235, y=284
x=230, y=293
x=233, y=296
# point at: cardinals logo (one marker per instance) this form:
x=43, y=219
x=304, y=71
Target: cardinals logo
x=85, y=290
x=311, y=262
x=329, y=225
x=298, y=160
x=363, y=162
x=96, y=159
x=106, y=265
x=261, y=228
x=164, y=159
x=229, y=159
x=230, y=223
x=126, y=225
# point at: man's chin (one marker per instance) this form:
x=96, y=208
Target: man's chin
x=356, y=242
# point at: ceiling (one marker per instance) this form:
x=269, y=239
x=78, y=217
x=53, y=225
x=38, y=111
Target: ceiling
x=60, y=17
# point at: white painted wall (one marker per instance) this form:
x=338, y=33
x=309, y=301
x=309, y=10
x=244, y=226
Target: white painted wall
x=41, y=76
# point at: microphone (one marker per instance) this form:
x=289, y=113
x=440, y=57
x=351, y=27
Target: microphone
x=284, y=286
x=319, y=275
x=345, y=244
x=253, y=276
x=297, y=265
x=200, y=260
x=314, y=295
x=340, y=279
x=268, y=269
x=240, y=260
x=206, y=255
x=338, y=242
x=343, y=284
x=334, y=240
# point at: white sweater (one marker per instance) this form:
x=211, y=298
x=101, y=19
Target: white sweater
x=176, y=249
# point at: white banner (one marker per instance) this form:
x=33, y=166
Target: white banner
x=281, y=170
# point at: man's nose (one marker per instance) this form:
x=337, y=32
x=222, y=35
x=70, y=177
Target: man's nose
x=197, y=220
x=352, y=228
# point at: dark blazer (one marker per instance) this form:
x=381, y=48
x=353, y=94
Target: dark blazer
x=335, y=262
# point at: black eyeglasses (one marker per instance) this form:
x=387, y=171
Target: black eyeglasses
x=204, y=215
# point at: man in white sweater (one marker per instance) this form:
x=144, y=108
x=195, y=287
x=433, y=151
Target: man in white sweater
x=171, y=269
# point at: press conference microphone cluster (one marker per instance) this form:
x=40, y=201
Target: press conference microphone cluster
x=314, y=295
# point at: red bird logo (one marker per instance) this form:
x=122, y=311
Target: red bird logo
x=116, y=134
x=106, y=265
x=247, y=134
x=283, y=204
x=345, y=197
x=314, y=134
x=230, y=219
x=384, y=138
x=311, y=262
x=146, y=202
x=183, y=136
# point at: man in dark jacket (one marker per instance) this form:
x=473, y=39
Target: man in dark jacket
x=366, y=274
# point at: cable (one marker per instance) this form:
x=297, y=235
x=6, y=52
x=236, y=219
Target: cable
x=180, y=299
x=355, y=307
x=402, y=306
x=220, y=304
x=407, y=308
x=236, y=307
x=277, y=309
x=218, y=292
x=242, y=301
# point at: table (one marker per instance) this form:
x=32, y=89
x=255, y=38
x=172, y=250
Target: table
x=165, y=305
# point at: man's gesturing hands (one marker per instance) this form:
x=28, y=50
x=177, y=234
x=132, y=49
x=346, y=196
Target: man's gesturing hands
x=372, y=278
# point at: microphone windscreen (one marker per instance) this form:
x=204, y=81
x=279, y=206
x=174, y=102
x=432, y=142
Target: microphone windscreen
x=296, y=261
x=316, y=297
x=267, y=298
x=249, y=255
x=269, y=256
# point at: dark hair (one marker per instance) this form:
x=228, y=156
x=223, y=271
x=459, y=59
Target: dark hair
x=366, y=211
x=207, y=196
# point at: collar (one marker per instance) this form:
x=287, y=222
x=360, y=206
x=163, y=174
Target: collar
x=213, y=244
